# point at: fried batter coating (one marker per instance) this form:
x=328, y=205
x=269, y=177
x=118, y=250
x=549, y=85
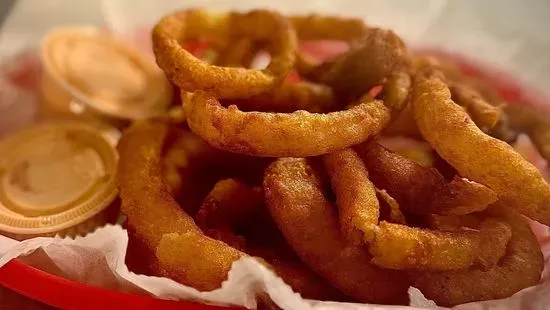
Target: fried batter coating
x=288, y=98
x=450, y=131
x=190, y=73
x=194, y=259
x=232, y=205
x=183, y=252
x=358, y=206
x=296, y=202
x=397, y=246
x=495, y=241
x=177, y=248
x=402, y=247
x=503, y=131
x=482, y=113
x=390, y=211
x=461, y=196
x=540, y=136
x=381, y=58
x=520, y=267
x=422, y=190
x=278, y=134
x=534, y=123
x=482, y=105
x=179, y=149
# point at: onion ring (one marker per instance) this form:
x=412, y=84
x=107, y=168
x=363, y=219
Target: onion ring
x=190, y=73
x=458, y=140
x=401, y=247
x=390, y=211
x=482, y=113
x=276, y=134
x=482, y=107
x=521, y=267
x=496, y=242
x=231, y=204
x=534, y=124
x=381, y=58
x=397, y=246
x=175, y=245
x=181, y=250
x=419, y=189
x=296, y=203
x=358, y=206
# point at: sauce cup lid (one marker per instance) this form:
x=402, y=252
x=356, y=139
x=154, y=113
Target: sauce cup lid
x=56, y=175
x=104, y=73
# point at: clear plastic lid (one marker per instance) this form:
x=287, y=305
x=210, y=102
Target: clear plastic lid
x=55, y=176
x=104, y=74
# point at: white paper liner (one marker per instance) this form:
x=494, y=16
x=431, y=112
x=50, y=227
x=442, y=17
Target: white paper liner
x=98, y=259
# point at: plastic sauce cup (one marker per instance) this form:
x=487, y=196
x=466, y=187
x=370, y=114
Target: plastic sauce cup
x=58, y=179
x=89, y=74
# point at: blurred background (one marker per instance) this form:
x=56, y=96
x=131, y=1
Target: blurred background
x=510, y=34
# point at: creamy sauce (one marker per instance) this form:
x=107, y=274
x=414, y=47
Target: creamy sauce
x=111, y=76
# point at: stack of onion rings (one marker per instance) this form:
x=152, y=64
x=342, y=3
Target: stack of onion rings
x=298, y=133
x=457, y=139
x=294, y=173
x=189, y=73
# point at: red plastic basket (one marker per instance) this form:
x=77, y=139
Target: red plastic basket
x=65, y=294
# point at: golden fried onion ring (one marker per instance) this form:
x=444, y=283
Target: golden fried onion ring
x=534, y=123
x=190, y=73
x=358, y=206
x=381, y=58
x=422, y=190
x=296, y=203
x=402, y=247
x=390, y=211
x=520, y=267
x=449, y=130
x=178, y=248
x=485, y=112
x=396, y=246
x=231, y=204
x=482, y=113
x=296, y=134
x=182, y=252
